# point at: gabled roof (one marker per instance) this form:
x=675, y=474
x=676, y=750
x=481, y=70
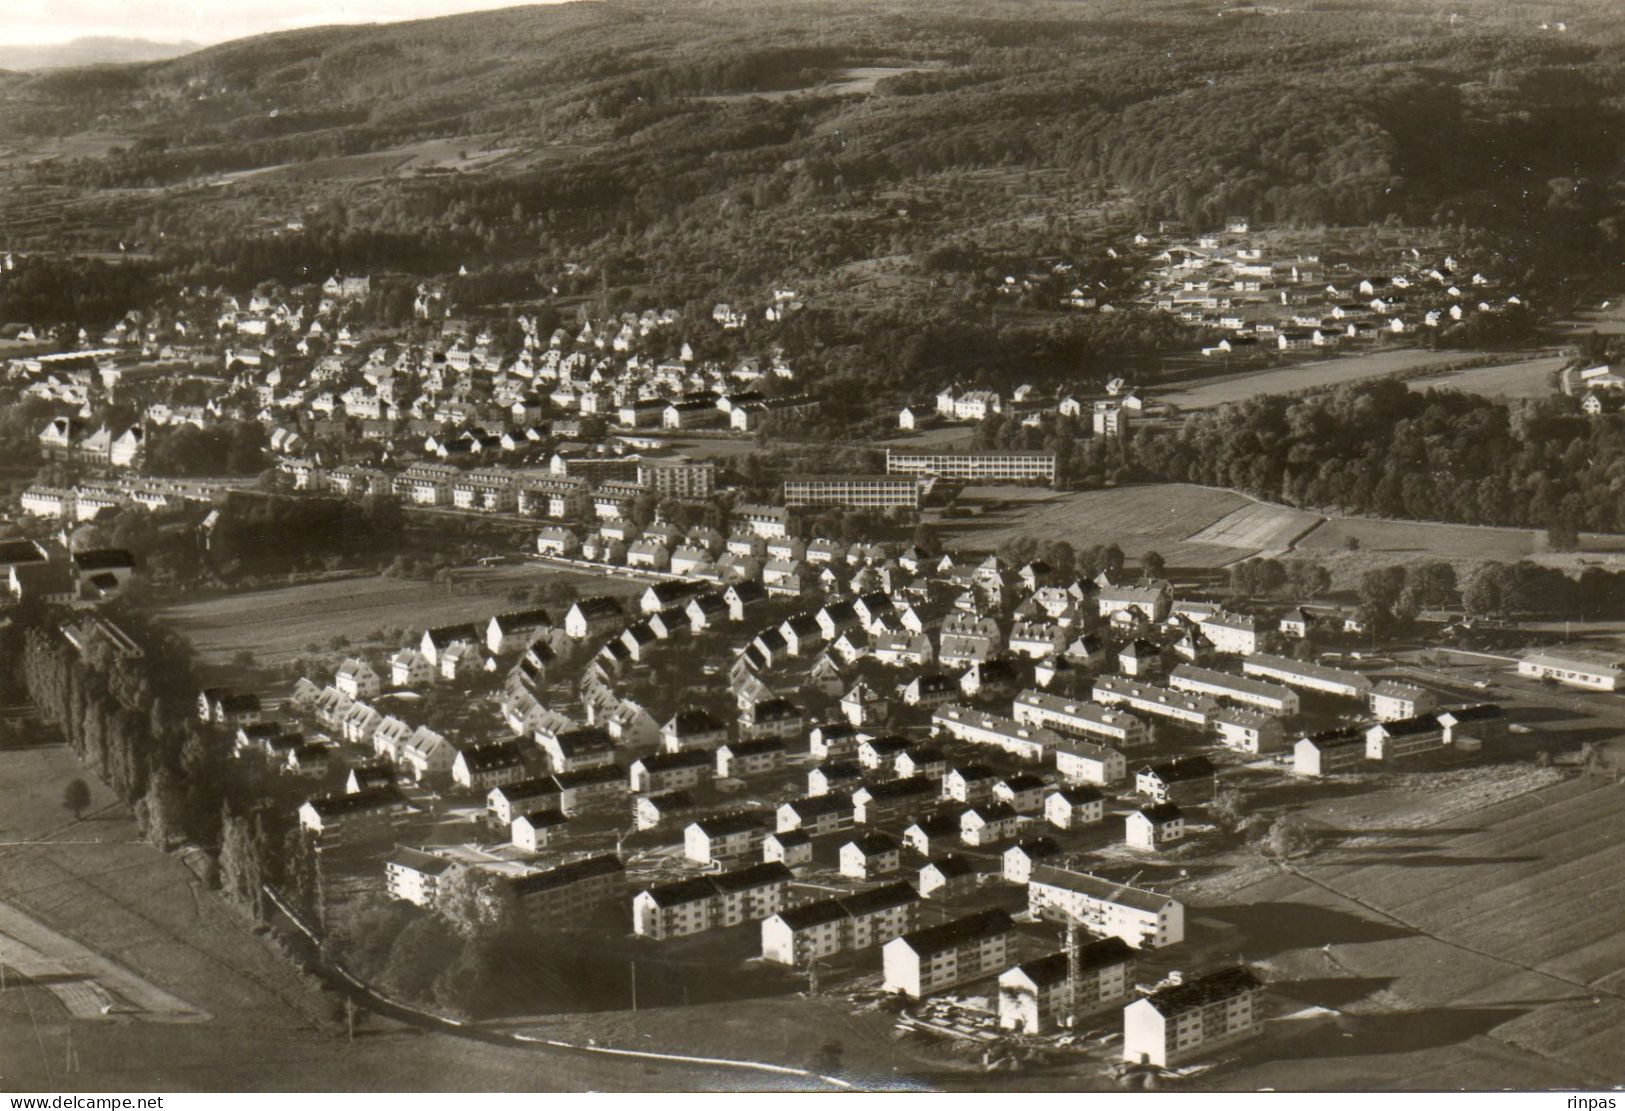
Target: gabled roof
x=1162, y=813
x=1048, y=971
x=961, y=931
x=1212, y=988
x=566, y=874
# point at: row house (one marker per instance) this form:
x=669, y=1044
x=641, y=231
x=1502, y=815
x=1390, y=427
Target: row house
x=715, y=902
x=1071, y=718
x=925, y=962
x=1024, y=742
x=797, y=936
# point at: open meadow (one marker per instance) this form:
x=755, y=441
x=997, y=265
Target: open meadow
x=1201, y=528
x=1528, y=378
x=277, y=624
x=1322, y=374
x=1189, y=526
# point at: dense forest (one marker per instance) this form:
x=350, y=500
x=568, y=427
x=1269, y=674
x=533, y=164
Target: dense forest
x=1385, y=450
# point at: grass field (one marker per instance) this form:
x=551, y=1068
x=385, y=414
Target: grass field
x=1309, y=376
x=1198, y=527
x=1190, y=526
x=1529, y=378
x=277, y=624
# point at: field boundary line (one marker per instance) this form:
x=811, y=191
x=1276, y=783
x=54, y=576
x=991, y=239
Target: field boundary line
x=1330, y=888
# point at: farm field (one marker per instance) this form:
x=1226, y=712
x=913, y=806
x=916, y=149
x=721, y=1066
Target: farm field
x=277, y=624
x=1527, y=379
x=1324, y=374
x=1491, y=939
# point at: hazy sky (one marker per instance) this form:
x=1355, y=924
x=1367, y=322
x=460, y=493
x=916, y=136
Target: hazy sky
x=36, y=22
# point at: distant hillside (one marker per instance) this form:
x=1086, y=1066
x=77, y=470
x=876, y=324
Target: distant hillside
x=90, y=52
x=890, y=159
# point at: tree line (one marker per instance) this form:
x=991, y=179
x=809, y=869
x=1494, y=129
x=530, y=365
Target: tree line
x=1380, y=448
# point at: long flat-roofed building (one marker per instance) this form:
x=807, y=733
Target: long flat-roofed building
x=990, y=466
x=863, y=491
x=1576, y=667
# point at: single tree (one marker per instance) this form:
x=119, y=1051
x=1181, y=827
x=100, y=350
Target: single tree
x=76, y=798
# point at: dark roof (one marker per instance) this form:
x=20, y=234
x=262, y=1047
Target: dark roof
x=873, y=842
x=549, y=817
x=1184, y=768
x=902, y=788
x=952, y=865
x=879, y=898
x=1405, y=727
x=973, y=771
x=756, y=875
x=20, y=551
x=667, y=761
x=524, y=619
x=722, y=824
x=534, y=788
x=583, y=739
x=1052, y=969
x=692, y=890
x=101, y=559
x=566, y=874
x=694, y=720
x=814, y=805
x=1162, y=812
x=600, y=606
x=370, y=798
x=1077, y=796
x=961, y=931
x=813, y=914
x=1023, y=781
x=755, y=748
x=939, y=823
x=1212, y=988
x=670, y=800
x=1037, y=846
x=586, y=777
x=1484, y=711
x=493, y=756
x=1346, y=737
x=792, y=837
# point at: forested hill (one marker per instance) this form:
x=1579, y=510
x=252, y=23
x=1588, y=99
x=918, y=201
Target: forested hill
x=695, y=148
